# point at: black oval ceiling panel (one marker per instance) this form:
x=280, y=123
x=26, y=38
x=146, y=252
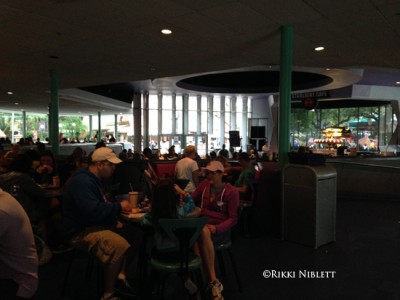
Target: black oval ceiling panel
x=251, y=82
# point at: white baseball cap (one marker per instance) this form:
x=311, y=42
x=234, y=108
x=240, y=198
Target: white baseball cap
x=105, y=153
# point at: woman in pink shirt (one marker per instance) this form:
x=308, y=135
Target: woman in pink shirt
x=219, y=202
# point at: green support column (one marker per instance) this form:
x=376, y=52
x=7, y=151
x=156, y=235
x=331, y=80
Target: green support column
x=54, y=137
x=24, y=124
x=116, y=127
x=137, y=122
x=90, y=127
x=185, y=119
x=285, y=88
x=99, y=130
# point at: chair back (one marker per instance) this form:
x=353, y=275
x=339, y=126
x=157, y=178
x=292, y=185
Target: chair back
x=252, y=184
x=183, y=233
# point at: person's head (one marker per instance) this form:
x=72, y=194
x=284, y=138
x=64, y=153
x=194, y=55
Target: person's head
x=190, y=151
x=100, y=144
x=214, y=171
x=47, y=158
x=222, y=159
x=244, y=159
x=171, y=150
x=164, y=200
x=21, y=163
x=103, y=161
x=213, y=155
x=78, y=153
x=16, y=148
x=147, y=152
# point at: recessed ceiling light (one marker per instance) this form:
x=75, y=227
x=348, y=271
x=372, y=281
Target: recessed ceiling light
x=166, y=31
x=10, y=93
x=320, y=48
x=16, y=103
x=328, y=69
x=397, y=82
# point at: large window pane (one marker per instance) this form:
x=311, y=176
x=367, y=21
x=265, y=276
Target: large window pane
x=192, y=128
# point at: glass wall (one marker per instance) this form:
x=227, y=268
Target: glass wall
x=161, y=122
x=12, y=125
x=371, y=127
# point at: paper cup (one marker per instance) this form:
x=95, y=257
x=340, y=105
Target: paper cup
x=133, y=199
x=56, y=181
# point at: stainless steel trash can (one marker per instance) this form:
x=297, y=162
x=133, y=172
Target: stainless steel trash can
x=309, y=204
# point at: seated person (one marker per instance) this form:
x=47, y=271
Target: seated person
x=19, y=182
x=10, y=155
x=76, y=161
x=18, y=256
x=46, y=170
x=247, y=173
x=171, y=153
x=91, y=221
x=219, y=202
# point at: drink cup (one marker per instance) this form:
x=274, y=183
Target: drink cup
x=56, y=181
x=133, y=199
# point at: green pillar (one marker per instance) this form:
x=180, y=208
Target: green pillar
x=90, y=127
x=99, y=130
x=24, y=124
x=54, y=137
x=285, y=87
x=185, y=119
x=116, y=127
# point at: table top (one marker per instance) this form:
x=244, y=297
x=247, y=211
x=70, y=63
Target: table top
x=133, y=217
x=48, y=186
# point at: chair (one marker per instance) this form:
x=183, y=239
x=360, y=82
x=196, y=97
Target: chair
x=219, y=251
x=91, y=261
x=224, y=247
x=248, y=205
x=183, y=233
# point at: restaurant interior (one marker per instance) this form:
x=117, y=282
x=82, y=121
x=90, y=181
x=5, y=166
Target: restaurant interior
x=218, y=65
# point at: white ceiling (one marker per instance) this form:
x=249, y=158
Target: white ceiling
x=111, y=41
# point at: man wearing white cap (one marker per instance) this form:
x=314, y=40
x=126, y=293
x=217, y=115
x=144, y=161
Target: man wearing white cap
x=91, y=219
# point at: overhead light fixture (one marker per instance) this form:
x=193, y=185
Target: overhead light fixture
x=320, y=48
x=16, y=103
x=397, y=82
x=10, y=93
x=166, y=31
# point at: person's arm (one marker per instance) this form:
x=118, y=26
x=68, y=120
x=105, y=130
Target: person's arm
x=196, y=195
x=195, y=177
x=195, y=213
x=242, y=189
x=90, y=202
x=247, y=174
